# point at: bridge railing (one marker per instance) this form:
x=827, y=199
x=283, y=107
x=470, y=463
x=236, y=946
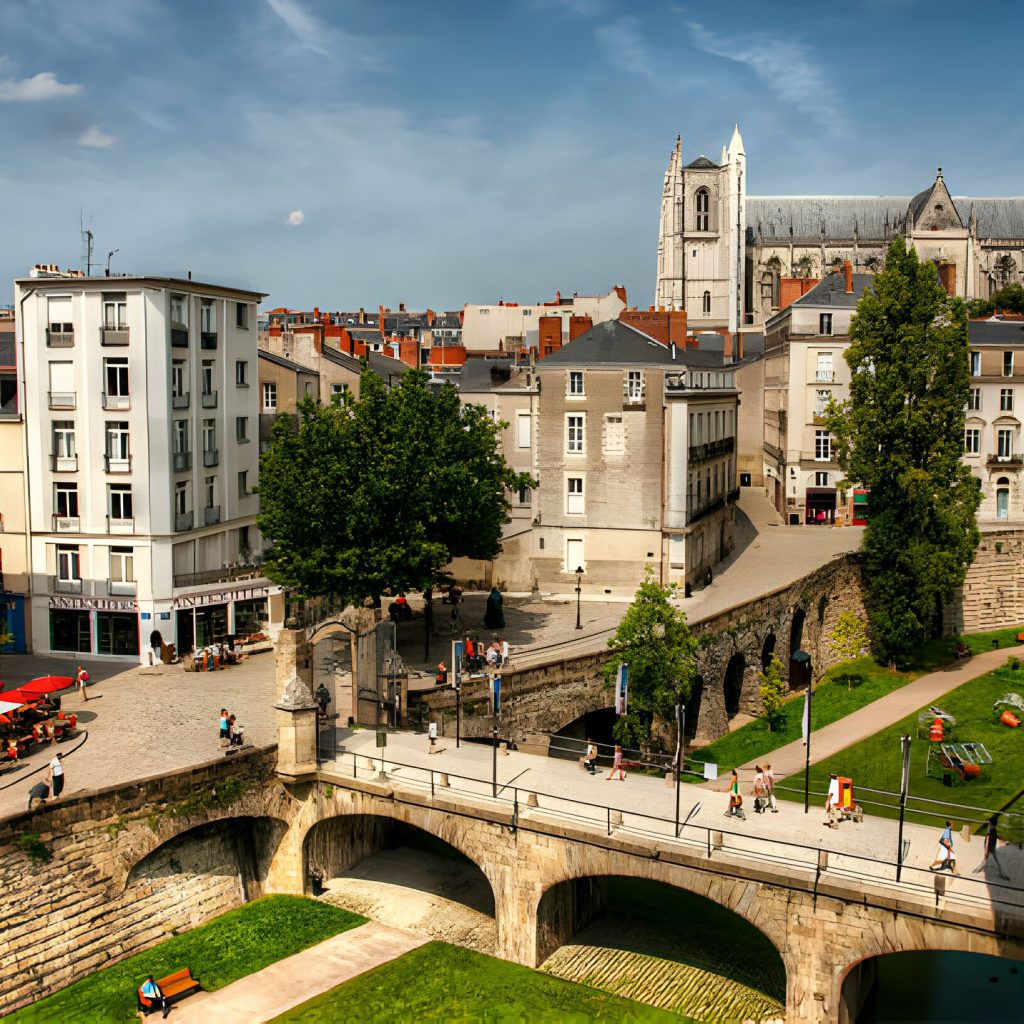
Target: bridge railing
x=530, y=805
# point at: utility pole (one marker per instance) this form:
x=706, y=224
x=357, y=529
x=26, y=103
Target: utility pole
x=807, y=741
x=680, y=724
x=904, y=783
x=494, y=762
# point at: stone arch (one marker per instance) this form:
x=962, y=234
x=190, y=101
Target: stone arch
x=767, y=651
x=796, y=631
x=570, y=739
x=732, y=683
x=822, y=608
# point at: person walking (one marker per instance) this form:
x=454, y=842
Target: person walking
x=832, y=802
x=441, y=679
x=156, y=641
x=432, y=735
x=591, y=757
x=81, y=682
x=945, y=857
x=759, y=792
x=617, y=766
x=225, y=734
x=735, y=809
x=991, y=842
x=769, y=785
x=55, y=776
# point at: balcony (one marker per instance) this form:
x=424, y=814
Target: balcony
x=60, y=339
x=211, y=457
x=119, y=525
x=712, y=450
x=1013, y=461
x=180, y=401
x=113, y=336
x=179, y=337
x=116, y=401
x=122, y=588
x=64, y=463
x=226, y=574
x=66, y=524
x=61, y=399
x=209, y=399
x=824, y=376
x=211, y=515
x=183, y=521
x=208, y=339
x=61, y=586
x=182, y=461
x=117, y=463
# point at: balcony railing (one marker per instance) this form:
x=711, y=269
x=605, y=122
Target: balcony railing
x=183, y=521
x=712, y=450
x=226, y=574
x=208, y=339
x=209, y=399
x=182, y=461
x=116, y=401
x=66, y=524
x=60, y=339
x=114, y=336
x=1006, y=460
x=60, y=586
x=64, y=463
x=117, y=463
x=211, y=457
x=825, y=376
x=211, y=515
x=120, y=525
x=179, y=337
x=122, y=588
x=180, y=401
x=61, y=399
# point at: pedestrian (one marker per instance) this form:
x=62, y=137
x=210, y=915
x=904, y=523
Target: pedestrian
x=735, y=809
x=156, y=641
x=494, y=616
x=504, y=652
x=441, y=679
x=591, y=757
x=991, y=842
x=81, y=682
x=38, y=795
x=152, y=998
x=55, y=776
x=617, y=765
x=432, y=735
x=832, y=802
x=225, y=735
x=760, y=795
x=769, y=785
x=945, y=857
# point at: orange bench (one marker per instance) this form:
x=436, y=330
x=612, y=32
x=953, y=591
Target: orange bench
x=174, y=986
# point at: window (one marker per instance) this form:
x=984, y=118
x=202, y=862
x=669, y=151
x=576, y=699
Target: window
x=524, y=495
x=614, y=434
x=634, y=385
x=64, y=439
x=1007, y=364
x=522, y=430
x=824, y=372
x=243, y=542
x=117, y=447
x=210, y=489
x=309, y=387
x=180, y=499
x=241, y=374
x=821, y=479
x=574, y=430
x=177, y=378
x=242, y=429
x=342, y=389
x=68, y=565
x=119, y=503
x=179, y=311
x=116, y=373
x=972, y=441
x=702, y=206
x=706, y=306
x=115, y=311
x=1002, y=503
x=822, y=446
x=207, y=376
x=974, y=399
x=574, y=495
x=1006, y=400
x=825, y=323
x=209, y=435
x=122, y=565
x=1004, y=443
x=208, y=317
x=576, y=383
x=821, y=399
x=180, y=437
x=243, y=483
x=270, y=397
x=574, y=554
x=59, y=313
x=66, y=500
x=975, y=364
x=242, y=315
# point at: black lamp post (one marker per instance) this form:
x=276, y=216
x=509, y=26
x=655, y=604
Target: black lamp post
x=579, y=590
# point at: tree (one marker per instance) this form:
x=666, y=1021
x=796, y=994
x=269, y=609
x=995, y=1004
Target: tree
x=381, y=492
x=901, y=436
x=655, y=641
x=773, y=692
x=848, y=640
x=979, y=309
x=1009, y=298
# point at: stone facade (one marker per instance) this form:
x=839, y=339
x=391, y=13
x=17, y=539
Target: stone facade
x=992, y=596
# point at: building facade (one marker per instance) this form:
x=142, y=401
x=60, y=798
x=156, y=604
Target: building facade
x=142, y=452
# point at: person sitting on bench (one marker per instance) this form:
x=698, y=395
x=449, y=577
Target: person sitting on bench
x=151, y=998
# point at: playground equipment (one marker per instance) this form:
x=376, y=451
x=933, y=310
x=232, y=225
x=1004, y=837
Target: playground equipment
x=956, y=762
x=935, y=725
x=1010, y=709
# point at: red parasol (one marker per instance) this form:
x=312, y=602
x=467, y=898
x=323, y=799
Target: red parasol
x=19, y=698
x=46, y=684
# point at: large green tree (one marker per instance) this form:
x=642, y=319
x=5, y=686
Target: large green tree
x=655, y=641
x=901, y=435
x=379, y=493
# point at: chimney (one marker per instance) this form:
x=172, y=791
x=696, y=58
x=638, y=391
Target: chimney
x=362, y=315
x=316, y=314
x=401, y=307
x=848, y=273
x=558, y=297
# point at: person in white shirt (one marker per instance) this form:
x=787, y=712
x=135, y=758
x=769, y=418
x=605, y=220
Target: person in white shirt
x=55, y=776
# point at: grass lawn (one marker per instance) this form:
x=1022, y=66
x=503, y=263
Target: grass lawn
x=438, y=982
x=834, y=698
x=875, y=763
x=221, y=951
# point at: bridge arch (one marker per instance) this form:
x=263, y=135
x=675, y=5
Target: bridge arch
x=796, y=630
x=767, y=651
x=733, y=683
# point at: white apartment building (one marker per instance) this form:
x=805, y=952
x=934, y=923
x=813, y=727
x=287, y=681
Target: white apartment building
x=142, y=438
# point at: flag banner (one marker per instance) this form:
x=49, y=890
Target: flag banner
x=805, y=725
x=621, y=690
x=497, y=695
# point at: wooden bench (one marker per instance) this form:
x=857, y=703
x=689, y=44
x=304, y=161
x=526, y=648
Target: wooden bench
x=174, y=986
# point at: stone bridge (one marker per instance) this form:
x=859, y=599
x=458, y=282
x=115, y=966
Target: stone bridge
x=100, y=876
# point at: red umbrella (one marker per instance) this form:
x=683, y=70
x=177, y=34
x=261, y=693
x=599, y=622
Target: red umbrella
x=16, y=696
x=46, y=684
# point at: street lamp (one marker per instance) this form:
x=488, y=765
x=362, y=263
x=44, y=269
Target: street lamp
x=579, y=590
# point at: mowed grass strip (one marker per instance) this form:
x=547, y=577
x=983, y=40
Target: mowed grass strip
x=219, y=952
x=438, y=982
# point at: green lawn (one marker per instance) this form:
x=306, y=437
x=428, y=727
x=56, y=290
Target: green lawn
x=438, y=982
x=875, y=762
x=225, y=949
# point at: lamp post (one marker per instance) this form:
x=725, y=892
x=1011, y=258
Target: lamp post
x=579, y=590
x=494, y=762
x=807, y=741
x=680, y=726
x=904, y=783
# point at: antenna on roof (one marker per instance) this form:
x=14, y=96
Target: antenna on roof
x=109, y=254
x=87, y=244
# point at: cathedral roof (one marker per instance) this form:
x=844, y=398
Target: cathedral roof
x=702, y=163
x=997, y=218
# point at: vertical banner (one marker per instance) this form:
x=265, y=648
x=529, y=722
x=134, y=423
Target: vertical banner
x=457, y=649
x=622, y=689
x=805, y=724
x=496, y=686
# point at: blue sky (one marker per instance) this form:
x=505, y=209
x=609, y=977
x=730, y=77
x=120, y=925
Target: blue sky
x=343, y=154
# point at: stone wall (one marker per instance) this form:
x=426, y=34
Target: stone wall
x=992, y=595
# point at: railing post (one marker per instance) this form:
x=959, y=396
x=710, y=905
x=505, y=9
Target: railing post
x=431, y=783
x=609, y=810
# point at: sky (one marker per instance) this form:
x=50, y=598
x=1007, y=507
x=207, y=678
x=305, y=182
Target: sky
x=344, y=154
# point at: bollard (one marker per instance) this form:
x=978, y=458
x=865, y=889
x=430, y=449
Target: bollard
x=616, y=819
x=823, y=860
x=716, y=840
x=670, y=779
x=531, y=800
x=444, y=783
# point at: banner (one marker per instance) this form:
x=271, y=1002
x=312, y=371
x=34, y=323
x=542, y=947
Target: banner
x=805, y=725
x=497, y=694
x=622, y=689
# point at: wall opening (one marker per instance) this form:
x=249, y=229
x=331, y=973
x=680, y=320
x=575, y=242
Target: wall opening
x=733, y=684
x=767, y=650
x=796, y=633
x=570, y=742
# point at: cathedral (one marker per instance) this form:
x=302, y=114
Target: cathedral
x=722, y=253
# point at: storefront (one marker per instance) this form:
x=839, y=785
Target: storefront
x=821, y=505
x=76, y=621
x=117, y=633
x=860, y=508
x=250, y=616
x=203, y=619
x=70, y=631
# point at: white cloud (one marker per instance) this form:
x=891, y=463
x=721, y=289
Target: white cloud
x=295, y=218
x=624, y=47
x=43, y=86
x=95, y=138
x=301, y=23
x=782, y=65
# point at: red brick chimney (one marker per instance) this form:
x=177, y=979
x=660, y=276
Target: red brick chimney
x=848, y=273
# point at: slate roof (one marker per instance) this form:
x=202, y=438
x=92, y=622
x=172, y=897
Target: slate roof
x=702, y=163
x=484, y=374
x=272, y=357
x=995, y=332
x=831, y=291
x=613, y=343
x=997, y=218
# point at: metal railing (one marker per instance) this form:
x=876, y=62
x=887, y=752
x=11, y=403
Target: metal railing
x=122, y=588
x=225, y=575
x=211, y=457
x=183, y=521
x=64, y=463
x=116, y=401
x=61, y=399
x=65, y=524
x=182, y=461
x=117, y=463
x=59, y=586
x=211, y=515
x=60, y=339
x=119, y=524
x=180, y=401
x=208, y=339
x=114, y=336
x=209, y=399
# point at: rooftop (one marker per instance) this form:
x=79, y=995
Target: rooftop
x=831, y=291
x=614, y=344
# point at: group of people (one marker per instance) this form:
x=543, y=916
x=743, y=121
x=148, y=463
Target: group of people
x=477, y=658
x=590, y=761
x=945, y=857
x=763, y=792
x=52, y=787
x=230, y=730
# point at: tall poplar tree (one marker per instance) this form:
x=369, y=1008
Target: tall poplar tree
x=901, y=435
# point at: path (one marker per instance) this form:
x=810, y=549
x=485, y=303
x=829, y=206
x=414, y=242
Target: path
x=280, y=987
x=879, y=714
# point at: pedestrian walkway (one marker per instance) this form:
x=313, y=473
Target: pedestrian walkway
x=280, y=987
x=879, y=714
